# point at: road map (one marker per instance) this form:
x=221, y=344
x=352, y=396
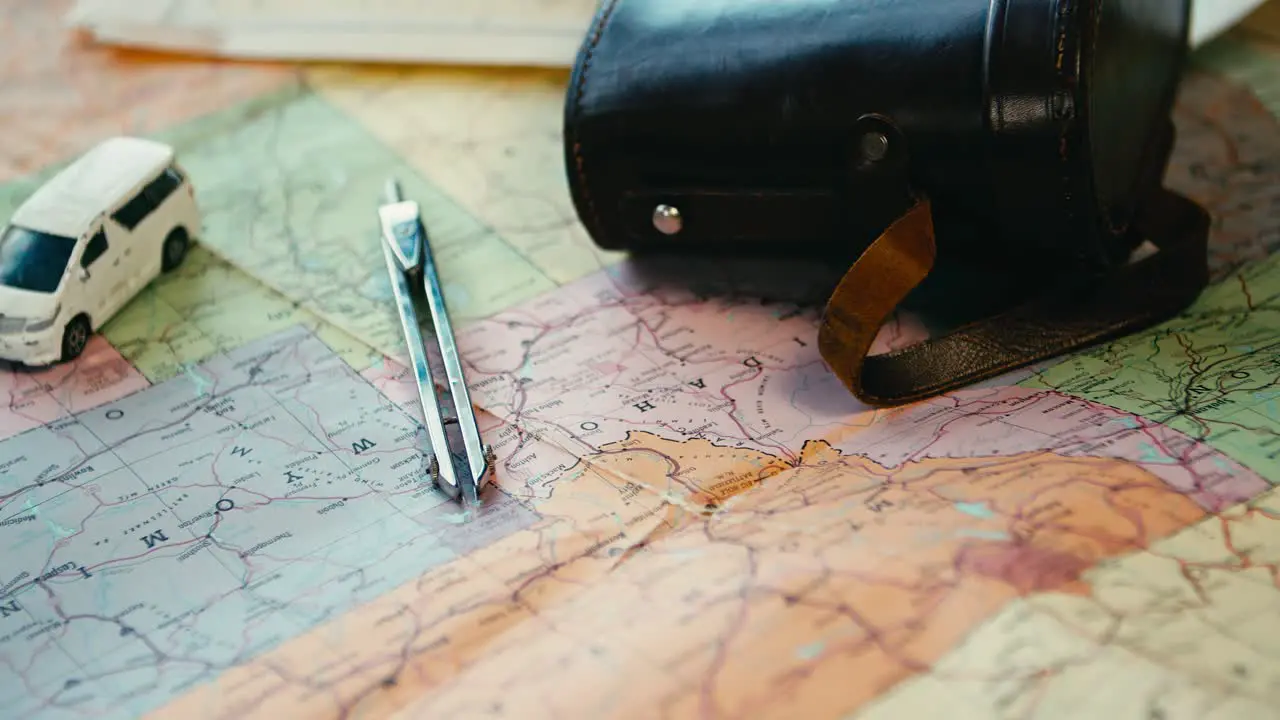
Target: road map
x=220, y=510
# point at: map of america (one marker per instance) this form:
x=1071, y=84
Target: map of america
x=221, y=510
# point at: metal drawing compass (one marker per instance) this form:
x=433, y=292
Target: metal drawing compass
x=460, y=465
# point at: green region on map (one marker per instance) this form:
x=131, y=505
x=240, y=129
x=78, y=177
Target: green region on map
x=290, y=188
x=1210, y=373
x=204, y=307
x=208, y=306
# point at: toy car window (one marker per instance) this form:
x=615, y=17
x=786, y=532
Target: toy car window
x=94, y=249
x=33, y=260
x=134, y=211
x=160, y=188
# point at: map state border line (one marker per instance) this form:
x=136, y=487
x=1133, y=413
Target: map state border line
x=304, y=332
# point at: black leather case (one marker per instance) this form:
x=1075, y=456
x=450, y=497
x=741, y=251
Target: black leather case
x=1037, y=131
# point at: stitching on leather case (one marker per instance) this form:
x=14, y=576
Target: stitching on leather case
x=578, y=160
x=1064, y=136
x=1093, y=51
x=1104, y=211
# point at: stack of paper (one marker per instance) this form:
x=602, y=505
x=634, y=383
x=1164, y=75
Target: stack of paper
x=473, y=32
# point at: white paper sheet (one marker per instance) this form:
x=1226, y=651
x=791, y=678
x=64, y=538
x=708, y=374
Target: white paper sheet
x=480, y=32
x=1211, y=18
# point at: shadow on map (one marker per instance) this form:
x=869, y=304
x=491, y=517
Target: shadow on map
x=763, y=311
x=803, y=283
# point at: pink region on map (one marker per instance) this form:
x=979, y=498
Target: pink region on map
x=394, y=381
x=36, y=397
x=1006, y=421
x=397, y=385
x=622, y=350
x=597, y=361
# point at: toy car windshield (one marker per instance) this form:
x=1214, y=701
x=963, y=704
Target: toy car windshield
x=33, y=260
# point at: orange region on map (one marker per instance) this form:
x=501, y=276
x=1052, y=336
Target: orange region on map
x=60, y=94
x=431, y=630
x=877, y=573
x=39, y=396
x=1192, y=625
x=707, y=473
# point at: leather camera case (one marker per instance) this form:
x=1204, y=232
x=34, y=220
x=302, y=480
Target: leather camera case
x=993, y=163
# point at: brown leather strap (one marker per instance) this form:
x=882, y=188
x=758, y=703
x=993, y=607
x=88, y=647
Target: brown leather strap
x=1132, y=298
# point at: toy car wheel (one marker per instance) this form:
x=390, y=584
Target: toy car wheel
x=75, y=337
x=175, y=249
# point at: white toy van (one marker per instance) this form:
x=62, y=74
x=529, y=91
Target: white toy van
x=86, y=242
